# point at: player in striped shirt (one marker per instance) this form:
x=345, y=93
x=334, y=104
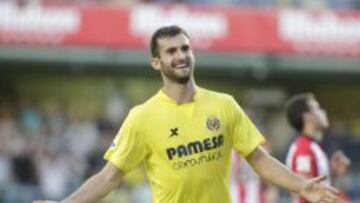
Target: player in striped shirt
x=306, y=156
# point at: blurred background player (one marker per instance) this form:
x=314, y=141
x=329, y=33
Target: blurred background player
x=306, y=155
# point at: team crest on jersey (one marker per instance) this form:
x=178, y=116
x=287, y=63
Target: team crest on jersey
x=213, y=123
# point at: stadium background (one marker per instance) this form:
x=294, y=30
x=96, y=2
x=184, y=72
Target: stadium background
x=71, y=69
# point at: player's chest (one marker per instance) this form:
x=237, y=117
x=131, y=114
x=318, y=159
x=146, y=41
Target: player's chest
x=181, y=135
x=182, y=127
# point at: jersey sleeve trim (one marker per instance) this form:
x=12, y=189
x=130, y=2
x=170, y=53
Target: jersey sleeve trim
x=119, y=164
x=253, y=147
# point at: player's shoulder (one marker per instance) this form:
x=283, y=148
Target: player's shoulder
x=303, y=144
x=135, y=112
x=140, y=109
x=138, y=113
x=211, y=94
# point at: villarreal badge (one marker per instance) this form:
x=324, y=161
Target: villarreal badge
x=213, y=123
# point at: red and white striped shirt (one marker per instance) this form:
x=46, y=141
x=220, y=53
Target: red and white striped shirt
x=246, y=186
x=307, y=158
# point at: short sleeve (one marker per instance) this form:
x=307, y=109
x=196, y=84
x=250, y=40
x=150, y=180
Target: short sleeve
x=129, y=147
x=245, y=136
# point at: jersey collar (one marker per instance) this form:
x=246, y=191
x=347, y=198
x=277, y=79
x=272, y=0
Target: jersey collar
x=305, y=136
x=166, y=98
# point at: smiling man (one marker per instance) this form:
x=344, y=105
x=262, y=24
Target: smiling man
x=184, y=135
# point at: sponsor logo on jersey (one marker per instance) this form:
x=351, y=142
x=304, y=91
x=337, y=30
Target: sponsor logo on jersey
x=186, y=152
x=195, y=147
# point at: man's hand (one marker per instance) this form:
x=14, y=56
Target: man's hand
x=339, y=164
x=316, y=192
x=273, y=171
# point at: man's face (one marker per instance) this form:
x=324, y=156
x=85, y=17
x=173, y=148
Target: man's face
x=176, y=59
x=318, y=115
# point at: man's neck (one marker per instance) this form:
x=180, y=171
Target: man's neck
x=313, y=133
x=181, y=93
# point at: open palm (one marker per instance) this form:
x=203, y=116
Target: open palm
x=316, y=192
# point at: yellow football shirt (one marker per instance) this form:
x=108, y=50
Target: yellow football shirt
x=186, y=148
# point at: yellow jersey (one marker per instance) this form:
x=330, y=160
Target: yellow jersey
x=186, y=149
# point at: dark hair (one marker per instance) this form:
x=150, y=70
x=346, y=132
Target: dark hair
x=162, y=32
x=296, y=107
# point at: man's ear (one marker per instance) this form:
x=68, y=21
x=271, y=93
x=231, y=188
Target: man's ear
x=155, y=63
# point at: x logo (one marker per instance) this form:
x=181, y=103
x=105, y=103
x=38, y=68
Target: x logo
x=174, y=132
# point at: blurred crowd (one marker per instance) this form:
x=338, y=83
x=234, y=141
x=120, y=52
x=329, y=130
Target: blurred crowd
x=47, y=152
x=317, y=4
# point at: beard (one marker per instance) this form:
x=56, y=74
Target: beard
x=170, y=73
x=176, y=78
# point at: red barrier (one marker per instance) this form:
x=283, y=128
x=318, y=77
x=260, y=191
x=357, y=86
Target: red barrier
x=211, y=29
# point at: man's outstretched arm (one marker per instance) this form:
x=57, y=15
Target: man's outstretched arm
x=273, y=171
x=96, y=187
